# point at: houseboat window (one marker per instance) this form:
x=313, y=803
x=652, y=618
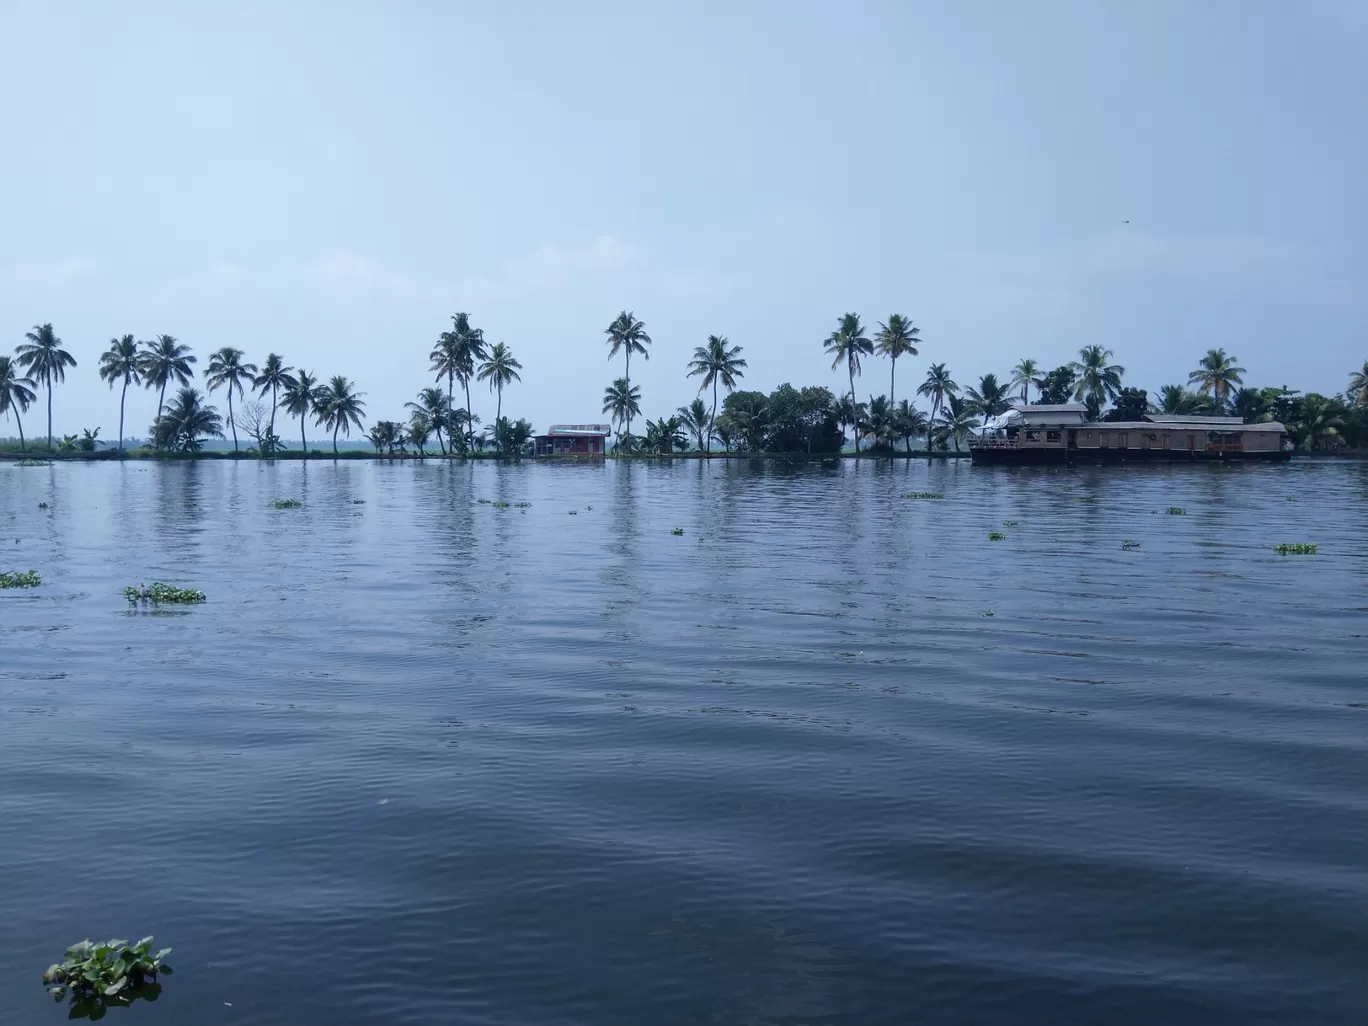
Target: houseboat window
x=1032, y=436
x=1051, y=436
x=1123, y=439
x=1104, y=438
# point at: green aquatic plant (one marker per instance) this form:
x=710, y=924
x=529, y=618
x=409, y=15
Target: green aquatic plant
x=42, y=505
x=522, y=505
x=30, y=462
x=1128, y=544
x=98, y=976
x=1298, y=549
x=1175, y=511
x=20, y=579
x=989, y=612
x=500, y=504
x=160, y=593
x=574, y=512
x=358, y=502
x=1009, y=523
x=678, y=531
x=923, y=495
x=287, y=503
x=996, y=536
x=1085, y=498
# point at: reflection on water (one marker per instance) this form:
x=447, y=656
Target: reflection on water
x=423, y=758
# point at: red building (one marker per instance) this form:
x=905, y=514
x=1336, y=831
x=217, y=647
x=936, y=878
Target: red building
x=574, y=439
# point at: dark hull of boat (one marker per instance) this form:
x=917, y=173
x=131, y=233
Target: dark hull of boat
x=1059, y=457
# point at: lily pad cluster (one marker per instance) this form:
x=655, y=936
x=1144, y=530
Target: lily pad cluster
x=113, y=973
x=161, y=593
x=20, y=579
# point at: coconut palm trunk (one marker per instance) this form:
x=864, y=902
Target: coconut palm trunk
x=892, y=381
x=854, y=407
x=712, y=421
x=629, y=392
x=231, y=422
x=470, y=420
x=23, y=446
x=303, y=442
x=122, y=395
x=336, y=427
x=49, y=385
x=273, y=409
x=498, y=408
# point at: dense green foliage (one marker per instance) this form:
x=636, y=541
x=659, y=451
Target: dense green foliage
x=112, y=974
x=160, y=593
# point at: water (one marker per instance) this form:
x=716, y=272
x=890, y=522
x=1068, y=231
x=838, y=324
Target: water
x=422, y=759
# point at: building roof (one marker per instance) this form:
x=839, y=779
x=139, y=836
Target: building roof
x=1187, y=418
x=1185, y=423
x=579, y=430
x=1051, y=408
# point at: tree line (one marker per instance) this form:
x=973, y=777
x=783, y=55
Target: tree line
x=808, y=419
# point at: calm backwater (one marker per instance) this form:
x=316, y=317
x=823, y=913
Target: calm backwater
x=829, y=757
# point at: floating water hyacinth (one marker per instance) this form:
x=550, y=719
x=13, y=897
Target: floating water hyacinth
x=114, y=973
x=923, y=495
x=522, y=505
x=20, y=579
x=1175, y=511
x=677, y=531
x=996, y=536
x=27, y=462
x=1299, y=549
x=1009, y=523
x=1130, y=544
x=161, y=593
x=288, y=503
x=1085, y=498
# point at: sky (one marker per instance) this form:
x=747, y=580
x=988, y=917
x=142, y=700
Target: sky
x=333, y=180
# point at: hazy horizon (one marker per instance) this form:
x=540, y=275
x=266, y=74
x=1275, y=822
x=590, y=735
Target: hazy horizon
x=332, y=182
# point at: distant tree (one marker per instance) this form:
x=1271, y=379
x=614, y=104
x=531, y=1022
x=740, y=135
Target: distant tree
x=748, y=416
x=1025, y=374
x=1319, y=422
x=89, y=437
x=419, y=431
x=121, y=363
x=163, y=361
x=1098, y=380
x=300, y=399
x=697, y=421
x=387, y=436
x=990, y=398
x=339, y=407
x=500, y=369
x=665, y=435
x=511, y=438
x=43, y=359
x=1216, y=373
x=622, y=401
x=957, y=419
x=1358, y=386
x=718, y=362
x=909, y=422
x=1056, y=387
x=1250, y=405
x=456, y=356
x=879, y=423
x=628, y=334
x=1131, y=404
x=227, y=370
x=937, y=387
x=846, y=345
x=16, y=393
x=273, y=377
x=255, y=418
x=725, y=432
x=897, y=337
x=436, y=410
x=186, y=421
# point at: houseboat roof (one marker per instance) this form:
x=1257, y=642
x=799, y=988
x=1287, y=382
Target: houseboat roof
x=1051, y=408
x=1184, y=423
x=578, y=431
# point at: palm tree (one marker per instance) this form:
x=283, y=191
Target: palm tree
x=1026, y=374
x=957, y=419
x=1319, y=420
x=697, y=420
x=420, y=428
x=227, y=369
x=717, y=362
x=1358, y=386
x=165, y=360
x=436, y=408
x=1098, y=380
x=879, y=422
x=846, y=345
x=990, y=398
x=629, y=334
x=43, y=357
x=1250, y=405
x=456, y=355
x=622, y=401
x=16, y=392
x=121, y=362
x=724, y=431
x=300, y=398
x=896, y=338
x=937, y=387
x=187, y=418
x=1216, y=373
x=910, y=422
x=499, y=370
x=339, y=408
x=274, y=375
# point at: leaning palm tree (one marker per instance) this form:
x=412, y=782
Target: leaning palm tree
x=622, y=401
x=1026, y=373
x=436, y=408
x=846, y=345
x=697, y=421
x=300, y=398
x=121, y=362
x=899, y=337
x=500, y=369
x=164, y=360
x=716, y=363
x=990, y=398
x=957, y=419
x=16, y=393
x=226, y=369
x=629, y=334
x=455, y=357
x=273, y=377
x=937, y=387
x=1216, y=373
x=187, y=420
x=339, y=408
x=1097, y=380
x=43, y=357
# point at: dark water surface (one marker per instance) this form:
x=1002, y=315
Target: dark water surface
x=426, y=760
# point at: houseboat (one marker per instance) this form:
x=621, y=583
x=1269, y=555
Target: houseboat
x=1063, y=434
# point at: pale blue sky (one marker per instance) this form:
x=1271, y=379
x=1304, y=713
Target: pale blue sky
x=333, y=180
